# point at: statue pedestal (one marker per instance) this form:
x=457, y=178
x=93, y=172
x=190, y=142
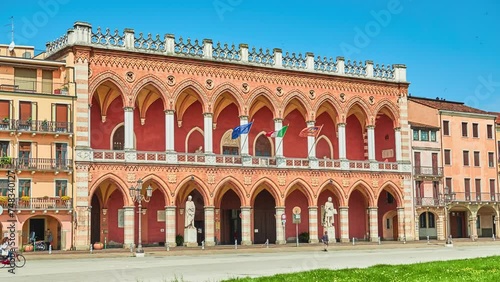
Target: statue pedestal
x=331, y=234
x=190, y=237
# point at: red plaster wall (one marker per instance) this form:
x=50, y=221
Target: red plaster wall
x=151, y=135
x=294, y=146
x=354, y=139
x=329, y=130
x=357, y=215
x=115, y=202
x=153, y=231
x=193, y=117
x=101, y=132
x=384, y=126
x=383, y=208
x=296, y=198
x=263, y=121
x=228, y=119
x=322, y=199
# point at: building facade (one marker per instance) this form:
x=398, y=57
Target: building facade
x=465, y=203
x=36, y=142
x=163, y=110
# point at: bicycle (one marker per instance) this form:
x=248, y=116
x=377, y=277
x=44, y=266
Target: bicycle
x=19, y=260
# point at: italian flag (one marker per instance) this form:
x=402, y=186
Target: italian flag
x=278, y=133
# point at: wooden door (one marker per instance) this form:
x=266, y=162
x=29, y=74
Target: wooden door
x=434, y=164
x=417, y=162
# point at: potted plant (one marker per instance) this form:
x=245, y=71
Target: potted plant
x=98, y=246
x=3, y=200
x=6, y=160
x=25, y=198
x=45, y=125
x=28, y=248
x=67, y=200
x=179, y=240
x=64, y=90
x=6, y=120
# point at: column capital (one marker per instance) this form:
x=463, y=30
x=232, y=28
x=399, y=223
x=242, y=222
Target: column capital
x=373, y=208
x=209, y=207
x=310, y=122
x=278, y=120
x=170, y=207
x=371, y=126
x=341, y=124
x=280, y=207
x=208, y=114
x=343, y=208
x=169, y=112
x=245, y=207
x=128, y=109
x=397, y=128
x=312, y=207
x=243, y=117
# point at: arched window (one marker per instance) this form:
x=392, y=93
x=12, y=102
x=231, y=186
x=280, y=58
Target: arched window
x=427, y=220
x=119, y=138
x=263, y=147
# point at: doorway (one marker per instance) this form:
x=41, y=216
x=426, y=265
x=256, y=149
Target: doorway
x=37, y=225
x=95, y=220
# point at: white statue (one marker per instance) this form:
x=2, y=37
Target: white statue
x=330, y=211
x=190, y=210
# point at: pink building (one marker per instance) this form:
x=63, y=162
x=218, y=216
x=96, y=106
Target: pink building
x=469, y=190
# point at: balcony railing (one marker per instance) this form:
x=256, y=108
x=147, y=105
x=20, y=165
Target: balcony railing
x=459, y=197
x=427, y=171
x=42, y=126
x=237, y=160
x=36, y=164
x=44, y=203
x=33, y=86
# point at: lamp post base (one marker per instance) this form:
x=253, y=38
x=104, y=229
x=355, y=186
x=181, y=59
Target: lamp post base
x=448, y=245
x=139, y=255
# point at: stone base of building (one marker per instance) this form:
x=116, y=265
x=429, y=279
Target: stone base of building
x=345, y=240
x=190, y=237
x=82, y=247
x=246, y=243
x=313, y=241
x=280, y=242
x=374, y=239
x=209, y=244
x=190, y=244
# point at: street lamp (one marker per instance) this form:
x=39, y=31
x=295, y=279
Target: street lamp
x=448, y=196
x=137, y=196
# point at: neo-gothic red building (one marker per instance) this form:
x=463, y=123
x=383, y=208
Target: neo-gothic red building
x=163, y=109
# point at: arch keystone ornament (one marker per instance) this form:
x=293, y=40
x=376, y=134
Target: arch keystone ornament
x=130, y=76
x=171, y=80
x=245, y=88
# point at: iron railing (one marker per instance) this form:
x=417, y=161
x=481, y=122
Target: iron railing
x=427, y=171
x=42, y=203
x=61, y=127
x=44, y=164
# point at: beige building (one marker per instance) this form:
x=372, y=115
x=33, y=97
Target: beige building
x=36, y=141
x=468, y=193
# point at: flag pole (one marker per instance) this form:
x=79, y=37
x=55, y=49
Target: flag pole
x=281, y=141
x=315, y=140
x=246, y=137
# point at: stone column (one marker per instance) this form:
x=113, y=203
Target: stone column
x=497, y=227
x=129, y=226
x=311, y=146
x=373, y=213
x=344, y=224
x=170, y=226
x=397, y=134
x=371, y=142
x=207, y=132
x=278, y=141
x=169, y=131
x=246, y=226
x=473, y=227
x=313, y=226
x=401, y=223
x=129, y=128
x=209, y=226
x=342, y=142
x=280, y=228
x=244, y=137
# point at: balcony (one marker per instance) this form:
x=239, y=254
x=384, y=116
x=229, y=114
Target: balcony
x=116, y=156
x=459, y=197
x=427, y=171
x=36, y=126
x=33, y=86
x=36, y=164
x=44, y=203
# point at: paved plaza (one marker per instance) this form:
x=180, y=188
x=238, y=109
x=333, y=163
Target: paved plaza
x=215, y=265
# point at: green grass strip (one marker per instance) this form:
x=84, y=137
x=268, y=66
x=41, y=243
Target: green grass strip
x=480, y=269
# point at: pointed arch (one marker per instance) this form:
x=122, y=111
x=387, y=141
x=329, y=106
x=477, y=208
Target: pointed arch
x=330, y=145
x=271, y=187
x=162, y=185
x=337, y=190
x=182, y=190
x=364, y=188
x=189, y=134
x=294, y=100
x=185, y=94
x=120, y=184
x=259, y=97
x=357, y=104
x=109, y=77
x=393, y=189
x=388, y=108
x=301, y=185
x=234, y=95
x=221, y=188
x=327, y=103
x=112, y=135
x=155, y=82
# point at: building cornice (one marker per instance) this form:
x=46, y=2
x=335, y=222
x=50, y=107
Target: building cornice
x=30, y=63
x=37, y=95
x=470, y=115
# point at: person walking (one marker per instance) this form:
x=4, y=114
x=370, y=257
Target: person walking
x=325, y=241
x=49, y=238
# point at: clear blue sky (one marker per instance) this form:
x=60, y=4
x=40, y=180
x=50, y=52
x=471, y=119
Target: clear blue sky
x=451, y=48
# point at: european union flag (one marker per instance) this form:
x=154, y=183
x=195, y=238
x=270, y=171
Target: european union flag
x=242, y=129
